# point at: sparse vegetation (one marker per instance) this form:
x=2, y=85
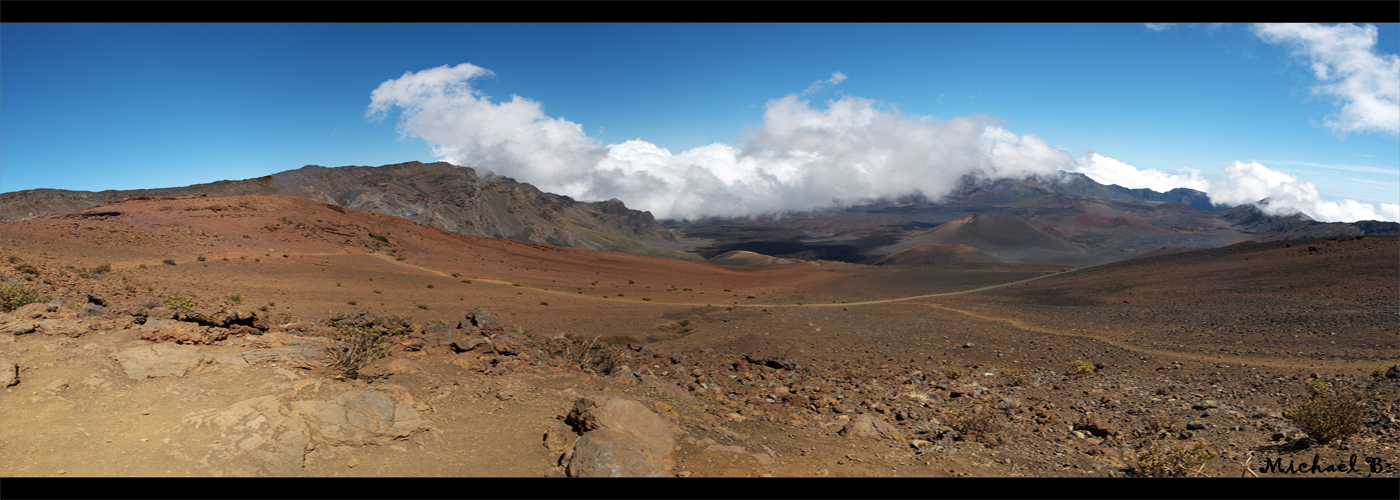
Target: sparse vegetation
x=236, y=298
x=646, y=299
x=142, y=266
x=972, y=415
x=1173, y=460
x=353, y=303
x=1332, y=414
x=180, y=302
x=169, y=262
x=467, y=281
x=422, y=306
x=95, y=272
x=953, y=373
x=364, y=342
x=13, y=259
x=1013, y=377
x=200, y=258
x=430, y=286
x=15, y=296
x=750, y=297
x=594, y=357
x=400, y=258
x=1080, y=367
x=543, y=303
x=27, y=269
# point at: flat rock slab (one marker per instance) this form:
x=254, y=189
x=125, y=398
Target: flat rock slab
x=265, y=436
x=161, y=360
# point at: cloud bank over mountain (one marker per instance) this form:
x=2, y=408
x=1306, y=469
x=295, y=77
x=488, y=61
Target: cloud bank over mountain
x=800, y=158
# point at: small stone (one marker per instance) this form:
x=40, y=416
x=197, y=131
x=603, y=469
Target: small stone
x=352, y=463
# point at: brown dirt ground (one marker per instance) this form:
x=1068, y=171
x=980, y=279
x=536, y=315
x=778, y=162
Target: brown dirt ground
x=1225, y=337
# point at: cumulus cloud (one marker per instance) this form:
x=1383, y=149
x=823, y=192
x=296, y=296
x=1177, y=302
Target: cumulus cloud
x=1347, y=66
x=1107, y=170
x=1278, y=193
x=801, y=157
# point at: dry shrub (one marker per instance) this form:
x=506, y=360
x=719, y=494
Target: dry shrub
x=1330, y=414
x=967, y=414
x=1174, y=460
x=364, y=341
x=594, y=356
x=1157, y=423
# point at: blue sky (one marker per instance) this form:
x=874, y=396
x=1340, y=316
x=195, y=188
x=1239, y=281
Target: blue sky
x=802, y=114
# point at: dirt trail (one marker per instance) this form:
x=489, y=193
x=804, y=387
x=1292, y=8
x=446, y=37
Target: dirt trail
x=1129, y=346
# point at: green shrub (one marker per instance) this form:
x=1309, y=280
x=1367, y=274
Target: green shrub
x=646, y=299
x=201, y=258
x=954, y=373
x=236, y=298
x=430, y=286
x=400, y=258
x=1330, y=415
x=1317, y=387
x=1176, y=460
x=27, y=269
x=1079, y=367
x=169, y=262
x=180, y=302
x=1013, y=377
x=750, y=297
x=15, y=296
x=352, y=303
x=422, y=306
x=467, y=281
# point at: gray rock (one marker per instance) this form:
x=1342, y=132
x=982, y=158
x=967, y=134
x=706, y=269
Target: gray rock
x=161, y=360
x=9, y=373
x=613, y=453
x=621, y=438
x=19, y=327
x=866, y=426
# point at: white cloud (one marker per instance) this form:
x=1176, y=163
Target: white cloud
x=1344, y=59
x=1278, y=193
x=1107, y=170
x=800, y=158
x=1159, y=26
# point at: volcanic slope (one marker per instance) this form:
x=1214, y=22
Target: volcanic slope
x=439, y=195
x=311, y=258
x=760, y=369
x=935, y=254
x=1316, y=303
x=1006, y=238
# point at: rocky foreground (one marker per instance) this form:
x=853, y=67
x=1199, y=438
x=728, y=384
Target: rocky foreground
x=155, y=391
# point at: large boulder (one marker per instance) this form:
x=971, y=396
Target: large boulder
x=621, y=438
